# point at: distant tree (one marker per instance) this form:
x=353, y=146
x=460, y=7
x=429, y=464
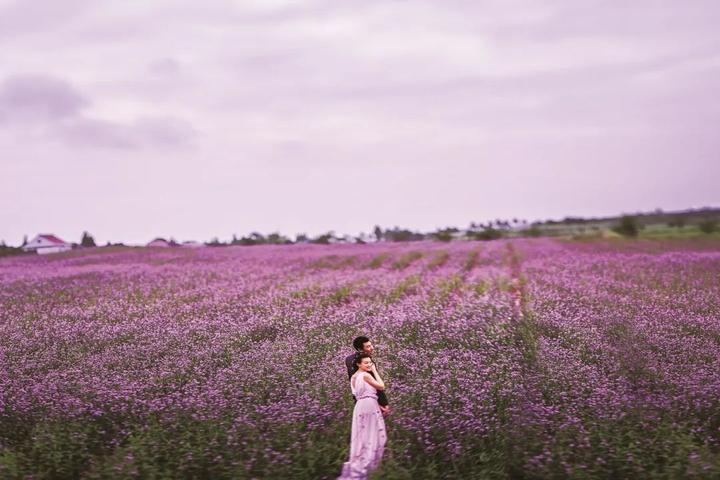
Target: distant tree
x=487, y=233
x=323, y=239
x=5, y=250
x=628, y=226
x=246, y=241
x=255, y=238
x=708, y=226
x=301, y=238
x=533, y=231
x=398, y=234
x=87, y=240
x=378, y=233
x=443, y=235
x=25, y=241
x=214, y=242
x=277, y=239
x=678, y=222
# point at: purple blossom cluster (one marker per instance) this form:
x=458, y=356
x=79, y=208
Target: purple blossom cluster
x=527, y=358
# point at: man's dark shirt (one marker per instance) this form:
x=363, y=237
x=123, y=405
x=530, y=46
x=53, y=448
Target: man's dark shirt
x=352, y=368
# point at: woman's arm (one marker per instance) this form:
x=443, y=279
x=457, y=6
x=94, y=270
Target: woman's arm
x=377, y=382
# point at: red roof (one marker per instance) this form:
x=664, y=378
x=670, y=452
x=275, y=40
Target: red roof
x=53, y=239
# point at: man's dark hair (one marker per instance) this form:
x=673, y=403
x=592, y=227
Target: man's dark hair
x=359, y=342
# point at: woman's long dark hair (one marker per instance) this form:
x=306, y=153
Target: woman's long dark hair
x=359, y=357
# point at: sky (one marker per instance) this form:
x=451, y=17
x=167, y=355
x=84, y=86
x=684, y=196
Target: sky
x=185, y=119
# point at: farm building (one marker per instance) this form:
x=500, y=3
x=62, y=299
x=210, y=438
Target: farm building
x=158, y=242
x=46, y=243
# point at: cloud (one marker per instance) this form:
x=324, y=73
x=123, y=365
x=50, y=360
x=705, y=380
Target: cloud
x=38, y=98
x=29, y=103
x=165, y=67
x=21, y=18
x=148, y=132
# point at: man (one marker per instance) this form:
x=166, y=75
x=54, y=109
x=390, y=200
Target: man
x=363, y=344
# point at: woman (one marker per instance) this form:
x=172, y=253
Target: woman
x=367, y=437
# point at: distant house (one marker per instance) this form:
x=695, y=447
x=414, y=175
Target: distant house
x=46, y=243
x=158, y=242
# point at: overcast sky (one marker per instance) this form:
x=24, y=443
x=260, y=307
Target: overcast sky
x=137, y=119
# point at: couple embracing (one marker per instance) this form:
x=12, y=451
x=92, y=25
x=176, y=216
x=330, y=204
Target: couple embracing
x=367, y=437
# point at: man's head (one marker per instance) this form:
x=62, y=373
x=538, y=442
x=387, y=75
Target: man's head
x=363, y=344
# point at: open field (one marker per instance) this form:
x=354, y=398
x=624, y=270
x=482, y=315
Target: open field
x=522, y=358
x=646, y=232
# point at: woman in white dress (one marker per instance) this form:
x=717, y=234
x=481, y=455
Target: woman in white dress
x=367, y=437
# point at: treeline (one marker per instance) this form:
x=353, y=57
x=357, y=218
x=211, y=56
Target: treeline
x=706, y=220
x=8, y=250
x=630, y=226
x=476, y=231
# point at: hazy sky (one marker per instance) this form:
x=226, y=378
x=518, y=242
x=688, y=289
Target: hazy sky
x=137, y=119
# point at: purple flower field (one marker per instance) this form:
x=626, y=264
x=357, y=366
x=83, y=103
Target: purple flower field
x=527, y=358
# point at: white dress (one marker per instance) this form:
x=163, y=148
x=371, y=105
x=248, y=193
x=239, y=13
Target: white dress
x=367, y=436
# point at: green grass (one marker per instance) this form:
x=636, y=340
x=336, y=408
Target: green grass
x=440, y=258
x=378, y=260
x=405, y=260
x=407, y=286
x=649, y=232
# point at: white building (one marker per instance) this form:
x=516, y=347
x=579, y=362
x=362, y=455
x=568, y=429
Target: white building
x=46, y=243
x=158, y=242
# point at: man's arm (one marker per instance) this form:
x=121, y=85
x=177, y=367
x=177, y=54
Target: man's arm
x=382, y=398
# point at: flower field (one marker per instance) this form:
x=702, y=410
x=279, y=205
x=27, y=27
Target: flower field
x=527, y=358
